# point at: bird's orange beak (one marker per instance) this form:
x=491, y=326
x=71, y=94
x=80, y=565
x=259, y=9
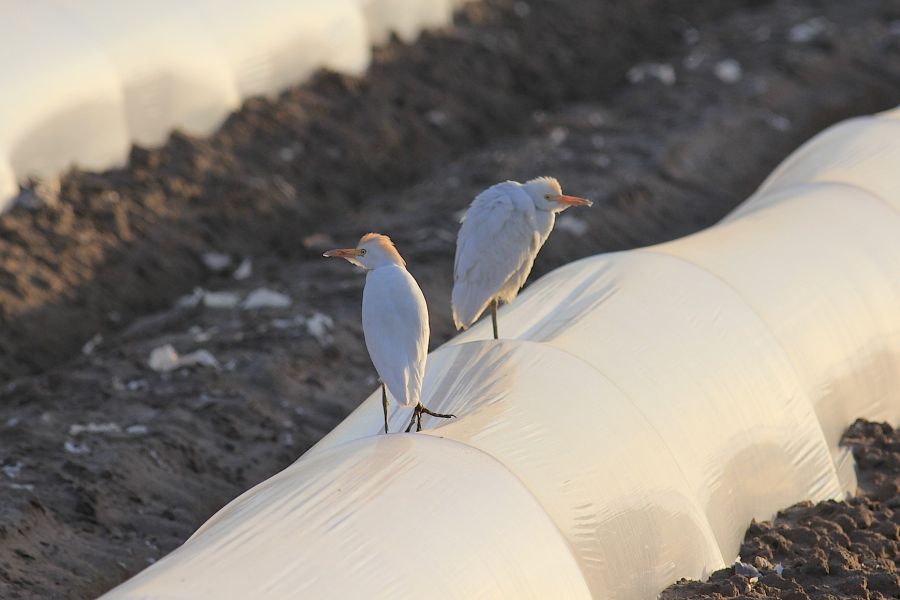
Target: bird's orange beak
x=344, y=253
x=573, y=200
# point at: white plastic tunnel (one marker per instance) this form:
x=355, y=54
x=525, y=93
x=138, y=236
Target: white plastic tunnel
x=644, y=408
x=82, y=80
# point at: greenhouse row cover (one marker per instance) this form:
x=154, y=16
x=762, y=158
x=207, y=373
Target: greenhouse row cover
x=84, y=79
x=643, y=408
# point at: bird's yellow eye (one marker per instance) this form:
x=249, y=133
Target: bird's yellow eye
x=546, y=196
x=362, y=251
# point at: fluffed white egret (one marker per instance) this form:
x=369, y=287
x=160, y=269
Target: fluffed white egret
x=395, y=323
x=501, y=234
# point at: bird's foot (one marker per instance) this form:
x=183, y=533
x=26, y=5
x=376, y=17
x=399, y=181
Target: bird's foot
x=417, y=417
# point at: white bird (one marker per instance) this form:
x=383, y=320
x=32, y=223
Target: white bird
x=395, y=323
x=501, y=234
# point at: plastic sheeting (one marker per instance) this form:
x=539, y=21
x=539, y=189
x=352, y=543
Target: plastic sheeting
x=645, y=406
x=83, y=79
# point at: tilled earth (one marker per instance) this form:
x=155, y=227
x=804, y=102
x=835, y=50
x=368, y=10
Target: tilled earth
x=667, y=114
x=827, y=550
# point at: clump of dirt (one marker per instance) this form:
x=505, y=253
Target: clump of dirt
x=827, y=550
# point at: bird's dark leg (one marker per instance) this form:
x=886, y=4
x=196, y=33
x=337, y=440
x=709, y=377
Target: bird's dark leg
x=428, y=411
x=412, y=420
x=494, y=318
x=384, y=403
x=417, y=417
x=421, y=409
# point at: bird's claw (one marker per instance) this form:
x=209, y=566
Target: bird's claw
x=417, y=417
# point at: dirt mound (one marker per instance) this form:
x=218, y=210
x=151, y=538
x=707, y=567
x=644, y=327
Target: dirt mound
x=826, y=550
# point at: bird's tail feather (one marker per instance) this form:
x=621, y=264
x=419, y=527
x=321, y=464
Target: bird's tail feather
x=466, y=310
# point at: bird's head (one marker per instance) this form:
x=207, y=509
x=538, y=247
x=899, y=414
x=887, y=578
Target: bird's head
x=373, y=250
x=547, y=195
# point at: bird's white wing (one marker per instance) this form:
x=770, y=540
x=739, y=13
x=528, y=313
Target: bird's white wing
x=395, y=324
x=498, y=238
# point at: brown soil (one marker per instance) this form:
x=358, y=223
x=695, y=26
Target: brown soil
x=506, y=93
x=827, y=550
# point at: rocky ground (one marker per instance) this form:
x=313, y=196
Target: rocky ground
x=827, y=550
x=667, y=114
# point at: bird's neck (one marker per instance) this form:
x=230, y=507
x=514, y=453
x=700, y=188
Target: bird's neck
x=545, y=220
x=385, y=265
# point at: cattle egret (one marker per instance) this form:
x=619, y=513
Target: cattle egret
x=501, y=234
x=395, y=323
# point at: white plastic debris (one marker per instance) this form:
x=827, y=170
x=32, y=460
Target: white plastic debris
x=244, y=270
x=12, y=471
x=805, y=32
x=265, y=298
x=21, y=486
x=728, y=70
x=319, y=326
x=220, y=299
x=73, y=448
x=136, y=430
x=662, y=72
x=199, y=334
x=778, y=122
x=746, y=570
x=694, y=59
x=44, y=193
x=191, y=300
x=573, y=225
x=136, y=385
x=77, y=429
x=216, y=262
x=209, y=299
x=91, y=345
x=164, y=359
x=202, y=358
x=779, y=569
x=287, y=323
x=558, y=135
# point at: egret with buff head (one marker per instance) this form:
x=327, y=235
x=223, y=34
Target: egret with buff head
x=502, y=232
x=395, y=323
